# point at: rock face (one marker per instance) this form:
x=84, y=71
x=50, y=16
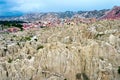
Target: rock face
x=84, y=52
x=112, y=14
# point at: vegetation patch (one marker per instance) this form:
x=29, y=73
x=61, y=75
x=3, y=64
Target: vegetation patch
x=67, y=47
x=81, y=75
x=10, y=60
x=35, y=39
x=5, y=50
x=27, y=38
x=9, y=24
x=78, y=76
x=101, y=58
x=119, y=70
x=29, y=57
x=18, y=43
x=85, y=77
x=99, y=35
x=40, y=47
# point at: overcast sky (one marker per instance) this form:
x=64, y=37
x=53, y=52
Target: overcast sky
x=9, y=7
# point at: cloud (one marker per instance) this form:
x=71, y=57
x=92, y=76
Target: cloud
x=26, y=6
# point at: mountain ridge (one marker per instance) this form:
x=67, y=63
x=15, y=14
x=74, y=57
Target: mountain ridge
x=114, y=13
x=69, y=14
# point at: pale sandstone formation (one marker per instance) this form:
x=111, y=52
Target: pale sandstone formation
x=85, y=52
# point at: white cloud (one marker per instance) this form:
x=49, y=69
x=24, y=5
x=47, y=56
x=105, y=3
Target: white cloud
x=27, y=5
x=60, y=5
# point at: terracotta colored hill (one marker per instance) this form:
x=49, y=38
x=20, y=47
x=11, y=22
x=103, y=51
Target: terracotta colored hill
x=112, y=14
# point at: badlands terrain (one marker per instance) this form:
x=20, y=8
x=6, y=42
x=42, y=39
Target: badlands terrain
x=71, y=52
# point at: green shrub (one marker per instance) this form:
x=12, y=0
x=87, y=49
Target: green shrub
x=119, y=70
x=10, y=60
x=11, y=39
x=101, y=58
x=40, y=47
x=29, y=57
x=99, y=35
x=27, y=38
x=35, y=39
x=78, y=76
x=18, y=43
x=14, y=36
x=5, y=50
x=67, y=47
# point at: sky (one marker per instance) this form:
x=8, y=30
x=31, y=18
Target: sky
x=17, y=7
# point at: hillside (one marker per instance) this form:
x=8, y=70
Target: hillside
x=114, y=13
x=71, y=52
x=69, y=14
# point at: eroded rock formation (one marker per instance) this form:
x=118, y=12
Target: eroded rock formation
x=84, y=52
